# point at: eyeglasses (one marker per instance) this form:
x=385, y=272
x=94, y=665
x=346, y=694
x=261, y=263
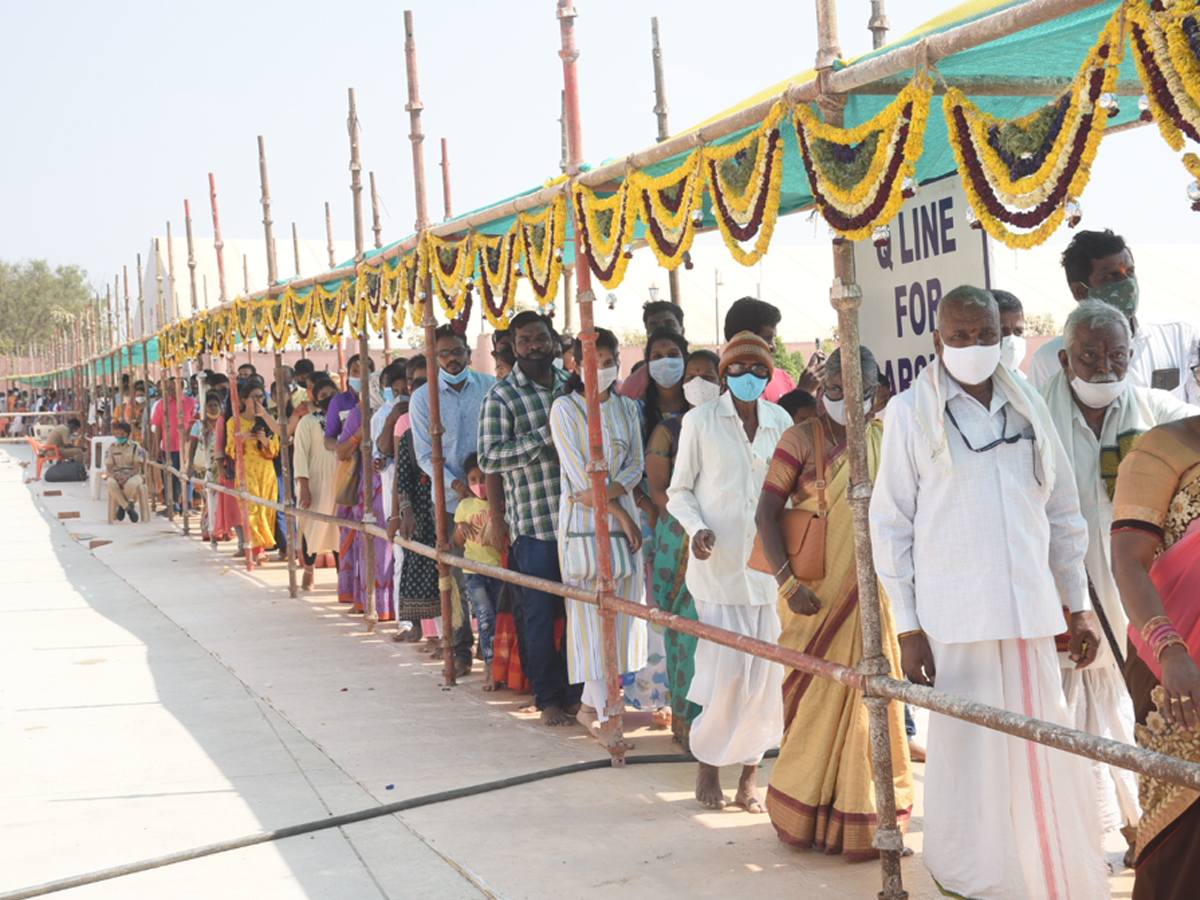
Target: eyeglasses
x=460, y=353
x=836, y=394
x=1004, y=438
x=758, y=369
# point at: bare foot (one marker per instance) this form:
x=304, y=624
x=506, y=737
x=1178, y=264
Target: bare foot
x=916, y=752
x=605, y=736
x=531, y=708
x=747, y=793
x=662, y=717
x=553, y=716
x=708, y=787
x=589, y=719
x=489, y=684
x=462, y=669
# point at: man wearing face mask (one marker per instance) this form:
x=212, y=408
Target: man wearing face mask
x=978, y=544
x=124, y=462
x=301, y=373
x=515, y=442
x=1099, y=266
x=1012, y=331
x=724, y=450
x=1100, y=415
x=461, y=392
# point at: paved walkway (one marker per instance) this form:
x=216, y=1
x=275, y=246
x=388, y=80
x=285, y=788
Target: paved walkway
x=155, y=697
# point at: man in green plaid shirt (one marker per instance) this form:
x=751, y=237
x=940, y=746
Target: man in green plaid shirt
x=515, y=442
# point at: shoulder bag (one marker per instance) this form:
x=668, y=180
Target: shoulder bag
x=803, y=531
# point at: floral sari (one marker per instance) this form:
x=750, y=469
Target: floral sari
x=1158, y=493
x=822, y=791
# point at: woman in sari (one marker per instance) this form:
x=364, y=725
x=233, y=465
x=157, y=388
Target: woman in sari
x=822, y=792
x=259, y=447
x=354, y=581
x=701, y=383
x=1156, y=562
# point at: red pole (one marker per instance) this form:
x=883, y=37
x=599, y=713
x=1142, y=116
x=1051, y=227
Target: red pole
x=598, y=466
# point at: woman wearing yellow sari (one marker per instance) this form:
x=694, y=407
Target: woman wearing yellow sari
x=1156, y=563
x=822, y=792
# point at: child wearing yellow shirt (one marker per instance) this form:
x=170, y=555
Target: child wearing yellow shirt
x=484, y=592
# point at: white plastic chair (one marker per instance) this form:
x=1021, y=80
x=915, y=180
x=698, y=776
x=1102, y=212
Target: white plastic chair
x=100, y=447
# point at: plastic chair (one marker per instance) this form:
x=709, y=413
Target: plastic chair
x=143, y=505
x=41, y=432
x=100, y=447
x=43, y=453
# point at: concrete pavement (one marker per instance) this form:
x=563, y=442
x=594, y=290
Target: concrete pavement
x=154, y=697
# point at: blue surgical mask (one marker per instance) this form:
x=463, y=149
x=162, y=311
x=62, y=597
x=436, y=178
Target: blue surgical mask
x=388, y=395
x=668, y=371
x=747, y=387
x=356, y=385
x=447, y=378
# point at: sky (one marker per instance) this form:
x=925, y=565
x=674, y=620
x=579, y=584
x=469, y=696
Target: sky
x=118, y=111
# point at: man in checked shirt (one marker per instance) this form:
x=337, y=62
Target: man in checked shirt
x=515, y=442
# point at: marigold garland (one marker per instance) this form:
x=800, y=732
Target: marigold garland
x=1165, y=50
x=743, y=179
x=1021, y=173
x=606, y=226
x=542, y=235
x=497, y=268
x=857, y=175
x=668, y=204
x=451, y=266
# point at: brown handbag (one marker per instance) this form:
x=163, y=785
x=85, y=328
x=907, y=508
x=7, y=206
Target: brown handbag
x=803, y=532
x=347, y=482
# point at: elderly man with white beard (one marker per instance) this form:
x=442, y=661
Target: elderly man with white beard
x=1100, y=415
x=979, y=543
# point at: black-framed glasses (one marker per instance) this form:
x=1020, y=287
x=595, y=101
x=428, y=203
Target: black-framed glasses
x=460, y=353
x=1004, y=438
x=758, y=369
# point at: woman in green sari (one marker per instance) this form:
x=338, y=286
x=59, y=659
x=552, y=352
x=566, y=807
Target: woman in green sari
x=701, y=383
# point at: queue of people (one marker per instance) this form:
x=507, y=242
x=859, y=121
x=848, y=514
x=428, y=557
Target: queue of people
x=1034, y=542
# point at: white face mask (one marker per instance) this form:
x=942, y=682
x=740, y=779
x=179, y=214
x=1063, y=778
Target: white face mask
x=1012, y=351
x=605, y=378
x=1097, y=394
x=668, y=371
x=971, y=365
x=559, y=364
x=699, y=391
x=837, y=409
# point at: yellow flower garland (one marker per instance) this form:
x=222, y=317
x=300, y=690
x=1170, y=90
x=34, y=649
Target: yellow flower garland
x=544, y=265
x=450, y=287
x=501, y=282
x=679, y=227
x=995, y=171
x=606, y=249
x=741, y=205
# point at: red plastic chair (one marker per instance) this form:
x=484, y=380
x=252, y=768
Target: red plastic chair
x=43, y=453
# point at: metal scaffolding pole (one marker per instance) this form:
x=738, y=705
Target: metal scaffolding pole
x=846, y=297
x=432, y=385
x=597, y=465
x=281, y=396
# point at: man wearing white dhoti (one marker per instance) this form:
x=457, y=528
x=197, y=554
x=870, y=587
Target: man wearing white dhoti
x=1100, y=415
x=979, y=543
x=725, y=447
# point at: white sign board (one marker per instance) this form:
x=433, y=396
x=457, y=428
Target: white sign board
x=932, y=251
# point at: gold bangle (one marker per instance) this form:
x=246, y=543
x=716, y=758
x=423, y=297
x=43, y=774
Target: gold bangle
x=907, y=633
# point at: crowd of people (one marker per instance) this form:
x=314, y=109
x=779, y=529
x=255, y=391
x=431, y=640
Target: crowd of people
x=1035, y=542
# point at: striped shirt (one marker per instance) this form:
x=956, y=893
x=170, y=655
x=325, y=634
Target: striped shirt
x=515, y=442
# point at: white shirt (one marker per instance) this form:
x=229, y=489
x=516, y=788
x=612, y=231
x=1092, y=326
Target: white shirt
x=1083, y=449
x=717, y=480
x=1156, y=346
x=982, y=552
